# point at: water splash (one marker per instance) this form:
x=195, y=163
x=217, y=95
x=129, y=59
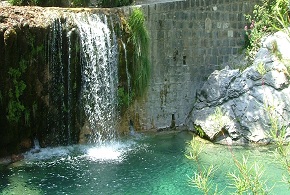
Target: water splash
x=110, y=151
x=99, y=54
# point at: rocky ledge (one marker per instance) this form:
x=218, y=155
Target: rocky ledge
x=238, y=107
x=39, y=17
x=13, y=16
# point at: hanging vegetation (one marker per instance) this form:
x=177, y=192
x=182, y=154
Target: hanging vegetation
x=140, y=40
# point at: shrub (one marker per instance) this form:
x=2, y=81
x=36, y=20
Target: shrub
x=267, y=18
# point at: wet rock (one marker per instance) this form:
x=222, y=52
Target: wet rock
x=26, y=144
x=16, y=157
x=10, y=36
x=5, y=160
x=241, y=105
x=85, y=133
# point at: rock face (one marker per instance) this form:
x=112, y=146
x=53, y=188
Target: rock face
x=236, y=106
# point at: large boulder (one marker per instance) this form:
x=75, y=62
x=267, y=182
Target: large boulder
x=236, y=106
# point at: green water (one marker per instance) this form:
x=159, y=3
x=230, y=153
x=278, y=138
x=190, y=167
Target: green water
x=147, y=164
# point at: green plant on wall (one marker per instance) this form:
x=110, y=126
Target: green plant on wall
x=15, y=107
x=125, y=98
x=16, y=110
x=140, y=41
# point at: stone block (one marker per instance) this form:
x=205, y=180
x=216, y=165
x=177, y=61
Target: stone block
x=219, y=24
x=186, y=4
x=226, y=25
x=178, y=5
x=165, y=7
x=226, y=17
x=160, y=35
x=214, y=2
x=208, y=25
x=213, y=60
x=230, y=34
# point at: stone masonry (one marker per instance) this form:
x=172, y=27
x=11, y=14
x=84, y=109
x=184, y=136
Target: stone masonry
x=189, y=40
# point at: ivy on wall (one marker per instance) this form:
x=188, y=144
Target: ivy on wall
x=15, y=107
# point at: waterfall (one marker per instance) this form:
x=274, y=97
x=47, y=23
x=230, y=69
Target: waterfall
x=127, y=72
x=83, y=56
x=99, y=59
x=69, y=90
x=56, y=117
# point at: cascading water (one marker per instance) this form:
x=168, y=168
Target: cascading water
x=69, y=90
x=83, y=71
x=57, y=116
x=127, y=72
x=99, y=54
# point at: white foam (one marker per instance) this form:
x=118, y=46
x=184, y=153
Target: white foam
x=109, y=152
x=47, y=153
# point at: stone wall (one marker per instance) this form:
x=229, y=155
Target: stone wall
x=189, y=40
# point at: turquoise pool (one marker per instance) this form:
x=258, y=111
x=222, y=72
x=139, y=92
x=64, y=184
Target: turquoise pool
x=146, y=164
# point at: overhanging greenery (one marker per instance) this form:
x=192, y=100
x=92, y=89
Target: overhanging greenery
x=140, y=41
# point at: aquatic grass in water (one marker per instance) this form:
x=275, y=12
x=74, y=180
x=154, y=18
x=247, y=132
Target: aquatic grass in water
x=151, y=164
